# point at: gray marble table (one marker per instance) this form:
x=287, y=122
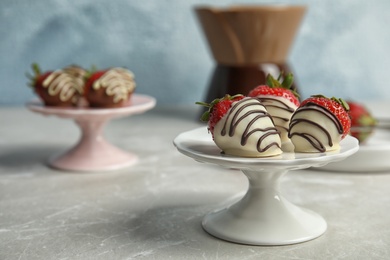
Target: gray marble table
x=154, y=209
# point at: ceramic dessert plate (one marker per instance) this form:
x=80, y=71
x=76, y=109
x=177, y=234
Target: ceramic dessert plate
x=373, y=156
x=93, y=152
x=263, y=216
x=199, y=145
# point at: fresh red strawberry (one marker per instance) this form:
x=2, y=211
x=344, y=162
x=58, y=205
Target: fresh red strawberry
x=336, y=106
x=274, y=87
x=217, y=109
x=362, y=122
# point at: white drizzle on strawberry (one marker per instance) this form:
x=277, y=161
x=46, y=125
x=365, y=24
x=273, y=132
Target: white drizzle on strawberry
x=247, y=130
x=78, y=73
x=64, y=85
x=75, y=71
x=118, y=83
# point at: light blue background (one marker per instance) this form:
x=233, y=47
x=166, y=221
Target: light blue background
x=342, y=48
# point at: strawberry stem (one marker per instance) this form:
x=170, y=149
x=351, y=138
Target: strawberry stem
x=206, y=115
x=341, y=101
x=286, y=83
x=32, y=78
x=272, y=82
x=202, y=104
x=89, y=72
x=36, y=69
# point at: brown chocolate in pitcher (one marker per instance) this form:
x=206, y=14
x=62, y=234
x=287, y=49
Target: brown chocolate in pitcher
x=248, y=43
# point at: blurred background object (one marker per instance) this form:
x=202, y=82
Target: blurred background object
x=341, y=48
x=363, y=123
x=248, y=42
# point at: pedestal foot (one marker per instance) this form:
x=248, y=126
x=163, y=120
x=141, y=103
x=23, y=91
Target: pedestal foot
x=93, y=152
x=264, y=217
x=105, y=160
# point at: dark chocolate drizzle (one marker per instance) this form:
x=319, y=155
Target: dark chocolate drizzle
x=267, y=102
x=310, y=138
x=235, y=110
x=284, y=105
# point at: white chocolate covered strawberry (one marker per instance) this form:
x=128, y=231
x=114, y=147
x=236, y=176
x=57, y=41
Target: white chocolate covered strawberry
x=241, y=126
x=319, y=124
x=280, y=100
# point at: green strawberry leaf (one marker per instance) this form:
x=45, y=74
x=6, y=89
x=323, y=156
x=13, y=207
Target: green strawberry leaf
x=32, y=77
x=206, y=115
x=342, y=102
x=286, y=83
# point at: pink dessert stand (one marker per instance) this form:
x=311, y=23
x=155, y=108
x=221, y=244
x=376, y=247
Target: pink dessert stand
x=93, y=152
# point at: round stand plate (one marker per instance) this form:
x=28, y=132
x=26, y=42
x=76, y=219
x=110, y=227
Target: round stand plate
x=93, y=152
x=263, y=216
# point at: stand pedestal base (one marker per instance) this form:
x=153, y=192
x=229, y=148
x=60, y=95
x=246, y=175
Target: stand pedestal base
x=264, y=217
x=93, y=152
x=111, y=158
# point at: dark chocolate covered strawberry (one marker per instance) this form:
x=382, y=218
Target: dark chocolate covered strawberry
x=109, y=88
x=56, y=88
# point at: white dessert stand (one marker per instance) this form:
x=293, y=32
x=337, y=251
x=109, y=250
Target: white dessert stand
x=263, y=216
x=93, y=152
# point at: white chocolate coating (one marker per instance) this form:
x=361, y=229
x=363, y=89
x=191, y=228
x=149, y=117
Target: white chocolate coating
x=281, y=110
x=247, y=131
x=314, y=129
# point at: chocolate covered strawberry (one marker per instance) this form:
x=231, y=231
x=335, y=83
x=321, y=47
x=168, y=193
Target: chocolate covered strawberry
x=362, y=122
x=241, y=126
x=77, y=72
x=319, y=124
x=217, y=109
x=55, y=88
x=280, y=100
x=109, y=88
